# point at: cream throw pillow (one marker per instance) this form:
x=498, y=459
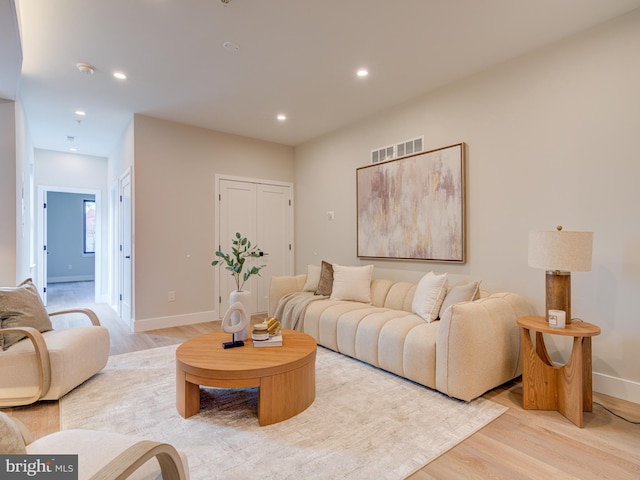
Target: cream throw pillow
x=430, y=294
x=21, y=306
x=313, y=278
x=352, y=283
x=460, y=293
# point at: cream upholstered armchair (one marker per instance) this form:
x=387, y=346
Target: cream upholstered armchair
x=101, y=455
x=38, y=362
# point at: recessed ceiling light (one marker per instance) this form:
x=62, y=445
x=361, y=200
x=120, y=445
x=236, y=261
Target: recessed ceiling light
x=73, y=149
x=120, y=75
x=363, y=72
x=282, y=117
x=81, y=113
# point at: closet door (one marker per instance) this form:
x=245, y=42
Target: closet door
x=263, y=213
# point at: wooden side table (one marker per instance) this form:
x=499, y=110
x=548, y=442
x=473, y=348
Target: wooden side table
x=567, y=389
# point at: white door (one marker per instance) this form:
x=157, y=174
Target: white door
x=274, y=237
x=126, y=269
x=262, y=213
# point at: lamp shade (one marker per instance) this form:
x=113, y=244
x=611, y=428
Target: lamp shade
x=561, y=250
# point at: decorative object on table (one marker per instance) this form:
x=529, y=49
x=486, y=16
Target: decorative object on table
x=413, y=207
x=235, y=262
x=560, y=253
x=243, y=298
x=237, y=329
x=273, y=326
x=260, y=332
x=557, y=318
x=267, y=333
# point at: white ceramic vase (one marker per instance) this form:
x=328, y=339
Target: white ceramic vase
x=244, y=297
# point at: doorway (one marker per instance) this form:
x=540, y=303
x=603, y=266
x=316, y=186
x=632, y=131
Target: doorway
x=69, y=240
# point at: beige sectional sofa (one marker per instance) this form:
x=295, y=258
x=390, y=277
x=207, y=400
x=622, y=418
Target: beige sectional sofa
x=473, y=347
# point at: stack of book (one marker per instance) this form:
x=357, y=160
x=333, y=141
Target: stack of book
x=273, y=341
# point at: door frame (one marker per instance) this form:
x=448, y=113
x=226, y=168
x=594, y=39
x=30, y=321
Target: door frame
x=41, y=255
x=216, y=227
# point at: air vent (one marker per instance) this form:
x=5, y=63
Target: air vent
x=402, y=149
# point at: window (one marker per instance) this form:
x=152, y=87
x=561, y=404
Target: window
x=89, y=226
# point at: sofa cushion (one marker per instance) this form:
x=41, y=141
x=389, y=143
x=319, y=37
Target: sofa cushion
x=430, y=294
x=326, y=279
x=460, y=293
x=313, y=278
x=21, y=306
x=352, y=283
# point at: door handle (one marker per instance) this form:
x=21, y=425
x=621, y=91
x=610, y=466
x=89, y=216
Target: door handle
x=127, y=256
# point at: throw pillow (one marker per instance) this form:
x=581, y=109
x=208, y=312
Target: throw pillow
x=21, y=307
x=352, y=283
x=429, y=296
x=11, y=442
x=313, y=278
x=326, y=279
x=460, y=293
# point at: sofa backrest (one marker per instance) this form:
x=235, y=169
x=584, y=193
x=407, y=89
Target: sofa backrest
x=399, y=295
x=394, y=295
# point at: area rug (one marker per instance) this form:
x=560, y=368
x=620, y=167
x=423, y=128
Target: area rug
x=364, y=423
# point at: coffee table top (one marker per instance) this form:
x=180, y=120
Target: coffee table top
x=204, y=355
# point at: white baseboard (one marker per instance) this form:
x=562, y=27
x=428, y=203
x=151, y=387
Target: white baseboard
x=174, y=321
x=616, y=387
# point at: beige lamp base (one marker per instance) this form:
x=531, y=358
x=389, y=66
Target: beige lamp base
x=558, y=285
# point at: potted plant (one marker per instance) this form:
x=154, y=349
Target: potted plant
x=241, y=249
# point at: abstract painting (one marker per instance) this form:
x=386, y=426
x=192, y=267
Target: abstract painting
x=413, y=207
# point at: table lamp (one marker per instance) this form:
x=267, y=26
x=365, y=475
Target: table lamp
x=560, y=253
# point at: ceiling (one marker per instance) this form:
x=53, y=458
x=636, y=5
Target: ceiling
x=295, y=57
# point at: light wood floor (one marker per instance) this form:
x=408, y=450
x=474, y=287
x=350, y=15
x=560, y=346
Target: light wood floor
x=520, y=444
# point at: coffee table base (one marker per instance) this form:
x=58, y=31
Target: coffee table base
x=280, y=396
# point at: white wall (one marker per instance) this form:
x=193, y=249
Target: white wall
x=66, y=260
x=25, y=241
x=8, y=199
x=174, y=179
x=552, y=139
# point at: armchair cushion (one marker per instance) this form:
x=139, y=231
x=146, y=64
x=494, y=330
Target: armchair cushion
x=21, y=306
x=75, y=355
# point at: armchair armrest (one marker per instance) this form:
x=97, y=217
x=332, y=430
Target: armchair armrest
x=86, y=311
x=282, y=285
x=136, y=455
x=478, y=345
x=44, y=366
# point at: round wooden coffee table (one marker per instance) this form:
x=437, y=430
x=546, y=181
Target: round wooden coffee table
x=285, y=376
